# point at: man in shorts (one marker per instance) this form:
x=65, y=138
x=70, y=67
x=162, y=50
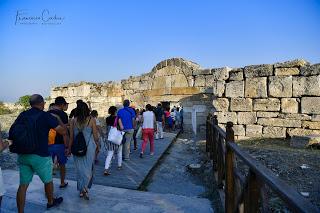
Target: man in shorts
x=60, y=147
x=39, y=161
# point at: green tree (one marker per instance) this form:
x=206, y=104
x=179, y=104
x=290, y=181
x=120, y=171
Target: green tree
x=24, y=101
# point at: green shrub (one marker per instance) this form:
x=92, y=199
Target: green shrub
x=4, y=109
x=24, y=101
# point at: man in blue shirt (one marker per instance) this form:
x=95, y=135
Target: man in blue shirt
x=126, y=117
x=39, y=161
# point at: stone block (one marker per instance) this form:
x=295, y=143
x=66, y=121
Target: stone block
x=224, y=117
x=236, y=75
x=273, y=132
x=200, y=81
x=293, y=63
x=310, y=70
x=295, y=116
x=241, y=104
x=253, y=130
x=310, y=105
x=239, y=130
x=218, y=88
x=280, y=122
x=258, y=70
x=247, y=117
x=267, y=114
x=280, y=86
x=209, y=81
x=311, y=124
x=241, y=138
x=301, y=132
x=202, y=72
x=235, y=89
x=221, y=104
x=286, y=71
x=256, y=87
x=306, y=86
x=267, y=104
x=289, y=105
x=220, y=74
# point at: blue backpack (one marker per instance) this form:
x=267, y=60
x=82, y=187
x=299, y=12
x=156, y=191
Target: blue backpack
x=23, y=134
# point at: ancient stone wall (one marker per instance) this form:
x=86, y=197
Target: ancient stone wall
x=276, y=100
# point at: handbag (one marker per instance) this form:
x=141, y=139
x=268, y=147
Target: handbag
x=115, y=136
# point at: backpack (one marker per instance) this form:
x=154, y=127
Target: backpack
x=53, y=133
x=79, y=146
x=23, y=133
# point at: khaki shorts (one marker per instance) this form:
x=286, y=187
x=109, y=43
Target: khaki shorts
x=2, y=190
x=30, y=164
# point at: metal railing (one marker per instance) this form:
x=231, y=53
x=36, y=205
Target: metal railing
x=244, y=193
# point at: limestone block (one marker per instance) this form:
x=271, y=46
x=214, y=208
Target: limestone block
x=202, y=72
x=293, y=63
x=310, y=105
x=247, y=117
x=256, y=87
x=267, y=114
x=311, y=124
x=240, y=138
x=220, y=74
x=218, y=88
x=258, y=70
x=224, y=117
x=267, y=104
x=253, y=130
x=209, y=81
x=166, y=71
x=295, y=116
x=179, y=80
x=200, y=81
x=280, y=86
x=287, y=71
x=235, y=89
x=239, y=130
x=279, y=122
x=236, y=75
x=221, y=104
x=310, y=70
x=289, y=105
x=206, y=90
x=274, y=132
x=241, y=104
x=306, y=86
x=301, y=132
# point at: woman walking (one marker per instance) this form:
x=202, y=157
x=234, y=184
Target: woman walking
x=111, y=147
x=148, y=129
x=84, y=123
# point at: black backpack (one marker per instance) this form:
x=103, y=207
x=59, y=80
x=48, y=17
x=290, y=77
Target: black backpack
x=23, y=134
x=79, y=146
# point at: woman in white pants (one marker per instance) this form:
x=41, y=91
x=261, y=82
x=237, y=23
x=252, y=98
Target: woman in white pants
x=111, y=147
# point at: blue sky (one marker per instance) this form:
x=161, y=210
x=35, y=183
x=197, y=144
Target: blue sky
x=110, y=40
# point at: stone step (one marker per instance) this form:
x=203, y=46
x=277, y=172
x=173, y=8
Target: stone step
x=102, y=199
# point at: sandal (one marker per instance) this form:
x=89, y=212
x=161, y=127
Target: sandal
x=85, y=194
x=106, y=172
x=64, y=185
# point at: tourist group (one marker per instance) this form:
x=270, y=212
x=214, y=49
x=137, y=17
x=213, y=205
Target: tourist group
x=44, y=140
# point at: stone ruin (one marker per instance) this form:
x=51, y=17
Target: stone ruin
x=268, y=100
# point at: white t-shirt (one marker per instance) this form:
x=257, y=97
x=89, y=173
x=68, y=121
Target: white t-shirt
x=148, y=120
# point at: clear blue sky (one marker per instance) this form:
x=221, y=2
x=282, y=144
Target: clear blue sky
x=111, y=40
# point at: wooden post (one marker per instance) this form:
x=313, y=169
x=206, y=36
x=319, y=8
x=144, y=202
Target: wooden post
x=252, y=193
x=207, y=133
x=230, y=194
x=215, y=138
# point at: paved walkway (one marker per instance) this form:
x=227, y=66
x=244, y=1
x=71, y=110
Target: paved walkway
x=133, y=172
x=102, y=199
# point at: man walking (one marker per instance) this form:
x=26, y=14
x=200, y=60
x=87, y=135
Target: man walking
x=60, y=147
x=160, y=121
x=35, y=125
x=126, y=117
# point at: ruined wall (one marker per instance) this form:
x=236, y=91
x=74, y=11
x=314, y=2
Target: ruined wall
x=276, y=100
